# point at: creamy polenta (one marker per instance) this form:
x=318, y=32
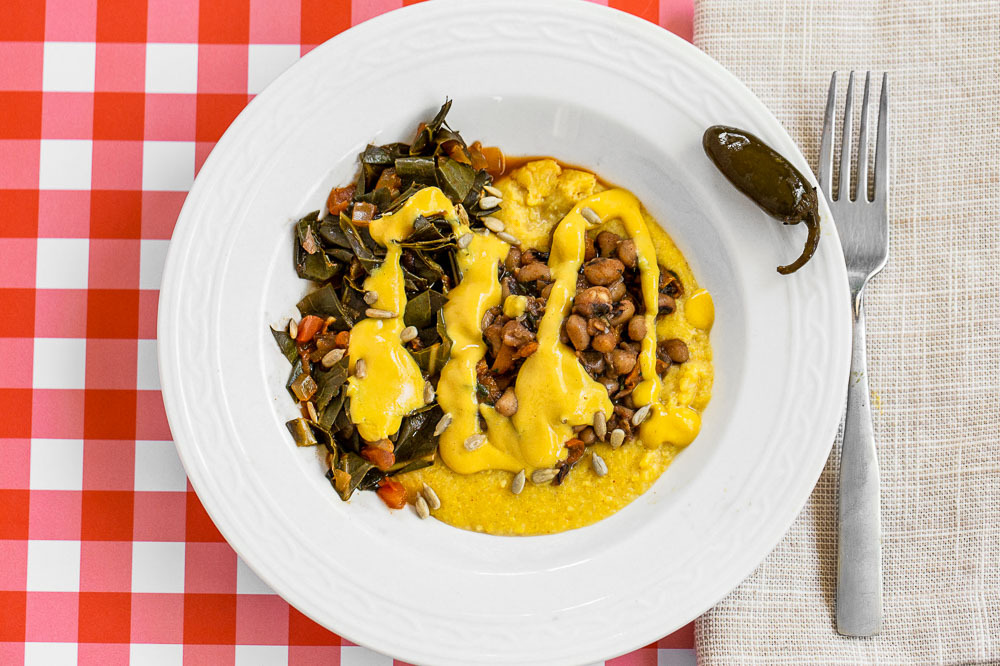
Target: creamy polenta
x=542, y=209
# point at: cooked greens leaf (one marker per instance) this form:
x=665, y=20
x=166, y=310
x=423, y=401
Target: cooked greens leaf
x=416, y=168
x=422, y=310
x=455, y=179
x=329, y=415
x=285, y=343
x=356, y=467
x=309, y=433
x=324, y=303
x=329, y=382
x=416, y=435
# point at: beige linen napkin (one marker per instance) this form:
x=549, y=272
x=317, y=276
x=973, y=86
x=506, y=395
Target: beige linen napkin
x=933, y=332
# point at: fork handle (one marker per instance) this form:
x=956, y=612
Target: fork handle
x=859, y=570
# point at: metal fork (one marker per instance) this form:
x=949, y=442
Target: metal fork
x=864, y=233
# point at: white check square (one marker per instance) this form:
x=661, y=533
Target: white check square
x=62, y=263
x=69, y=66
x=56, y=464
x=152, y=254
x=157, y=567
x=355, y=655
x=247, y=582
x=261, y=655
x=53, y=566
x=65, y=164
x=172, y=68
x=147, y=376
x=266, y=61
x=59, y=363
x=50, y=654
x=157, y=467
x=167, y=166
x=150, y=654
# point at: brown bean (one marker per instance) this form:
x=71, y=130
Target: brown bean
x=490, y=316
x=677, y=350
x=534, y=271
x=666, y=304
x=576, y=330
x=546, y=290
x=603, y=271
x=617, y=289
x=607, y=242
x=587, y=435
x=589, y=250
x=622, y=361
x=605, y=342
x=670, y=284
x=513, y=259
x=621, y=312
x=592, y=362
x=516, y=334
x=628, y=254
x=531, y=256
x=611, y=385
x=596, y=326
x=662, y=366
x=637, y=327
x=494, y=335
x=592, y=301
x=507, y=404
x=506, y=288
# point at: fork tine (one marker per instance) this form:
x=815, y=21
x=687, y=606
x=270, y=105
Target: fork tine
x=882, y=144
x=843, y=191
x=861, y=192
x=826, y=144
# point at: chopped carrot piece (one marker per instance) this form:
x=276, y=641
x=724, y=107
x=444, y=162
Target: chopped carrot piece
x=379, y=457
x=308, y=328
x=392, y=493
x=342, y=340
x=339, y=199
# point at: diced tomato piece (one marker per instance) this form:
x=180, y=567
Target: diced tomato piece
x=379, y=457
x=340, y=199
x=392, y=493
x=308, y=327
x=343, y=339
x=496, y=163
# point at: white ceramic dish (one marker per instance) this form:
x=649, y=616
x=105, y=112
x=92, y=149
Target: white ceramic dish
x=594, y=87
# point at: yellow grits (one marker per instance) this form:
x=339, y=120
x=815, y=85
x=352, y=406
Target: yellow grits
x=537, y=196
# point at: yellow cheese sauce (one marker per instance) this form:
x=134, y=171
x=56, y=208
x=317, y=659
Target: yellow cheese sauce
x=542, y=206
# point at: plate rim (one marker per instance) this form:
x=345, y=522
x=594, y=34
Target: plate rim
x=187, y=218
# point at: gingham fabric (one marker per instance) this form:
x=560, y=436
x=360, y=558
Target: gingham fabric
x=107, y=110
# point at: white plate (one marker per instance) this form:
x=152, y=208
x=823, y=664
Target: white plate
x=594, y=87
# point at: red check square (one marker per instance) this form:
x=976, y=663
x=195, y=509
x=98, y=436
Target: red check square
x=51, y=617
x=23, y=21
x=224, y=21
x=55, y=514
x=14, y=572
x=119, y=115
x=159, y=516
x=109, y=414
x=120, y=68
x=121, y=21
x=21, y=207
x=15, y=472
x=70, y=20
x=105, y=617
x=303, y=631
x=67, y=115
x=199, y=526
x=261, y=619
x=215, y=113
x=210, y=619
x=115, y=214
x=157, y=618
x=15, y=406
x=106, y=566
x=322, y=19
x=112, y=313
x=107, y=515
x=15, y=370
x=12, y=613
x=108, y=464
x=63, y=213
x=57, y=413
x=22, y=115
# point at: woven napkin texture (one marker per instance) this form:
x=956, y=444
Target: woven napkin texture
x=933, y=332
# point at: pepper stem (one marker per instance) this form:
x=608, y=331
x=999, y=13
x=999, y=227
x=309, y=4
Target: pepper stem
x=812, y=242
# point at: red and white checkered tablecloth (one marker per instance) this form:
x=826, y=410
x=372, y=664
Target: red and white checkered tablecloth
x=107, y=110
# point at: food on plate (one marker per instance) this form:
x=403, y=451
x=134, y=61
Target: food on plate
x=480, y=344
x=759, y=172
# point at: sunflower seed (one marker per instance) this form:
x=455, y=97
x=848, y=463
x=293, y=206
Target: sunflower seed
x=311, y=408
x=428, y=393
x=616, y=438
x=464, y=240
x=641, y=414
x=540, y=476
x=600, y=425
x=507, y=238
x=293, y=328
x=487, y=203
x=371, y=297
x=463, y=215
x=590, y=215
x=422, y=509
x=493, y=224
x=442, y=425
x=333, y=357
x=517, y=484
x=489, y=189
x=600, y=467
x=408, y=334
x=433, y=501
x=360, y=369
x=375, y=313
x=474, y=442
